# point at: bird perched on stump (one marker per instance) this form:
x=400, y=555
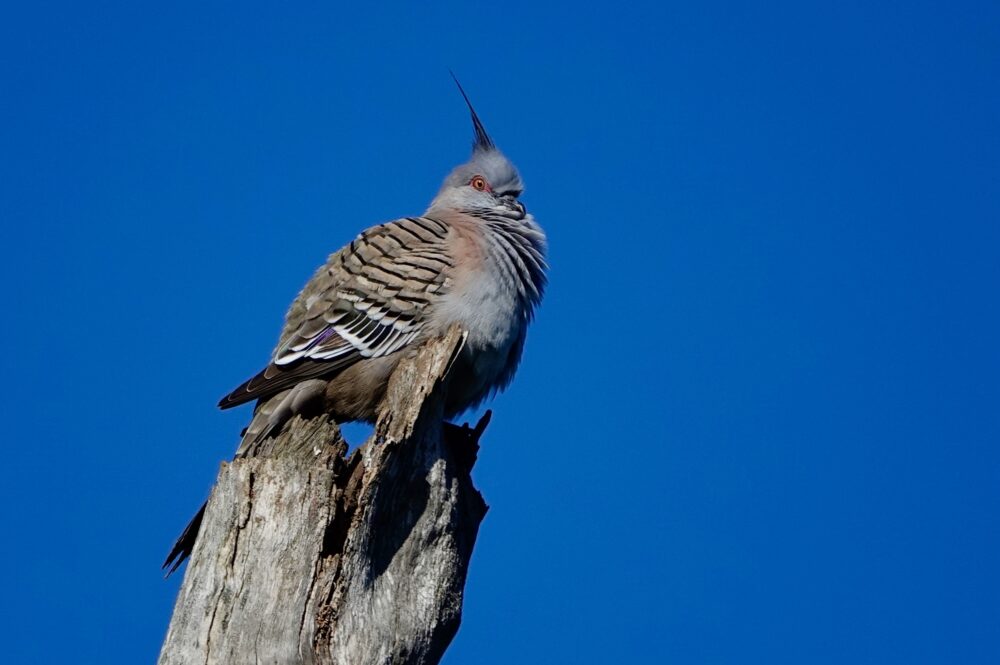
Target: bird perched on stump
x=475, y=258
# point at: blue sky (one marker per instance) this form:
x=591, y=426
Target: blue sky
x=759, y=412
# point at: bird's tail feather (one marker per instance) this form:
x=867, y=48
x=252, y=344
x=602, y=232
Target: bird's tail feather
x=185, y=543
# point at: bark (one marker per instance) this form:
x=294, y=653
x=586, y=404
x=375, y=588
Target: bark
x=306, y=555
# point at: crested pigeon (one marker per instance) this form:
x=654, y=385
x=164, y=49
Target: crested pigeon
x=475, y=258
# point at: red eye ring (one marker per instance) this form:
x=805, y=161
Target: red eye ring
x=479, y=183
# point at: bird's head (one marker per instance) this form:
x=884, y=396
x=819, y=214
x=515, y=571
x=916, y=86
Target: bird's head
x=488, y=181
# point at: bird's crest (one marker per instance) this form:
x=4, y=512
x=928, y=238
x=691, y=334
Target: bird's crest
x=482, y=140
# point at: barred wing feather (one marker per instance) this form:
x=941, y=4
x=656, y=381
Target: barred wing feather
x=372, y=298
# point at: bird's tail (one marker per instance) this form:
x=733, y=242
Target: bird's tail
x=272, y=413
x=185, y=543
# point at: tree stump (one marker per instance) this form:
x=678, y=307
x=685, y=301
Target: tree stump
x=307, y=555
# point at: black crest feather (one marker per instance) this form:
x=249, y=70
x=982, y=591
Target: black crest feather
x=483, y=140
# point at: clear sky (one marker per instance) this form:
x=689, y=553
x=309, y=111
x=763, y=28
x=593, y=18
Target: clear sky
x=758, y=418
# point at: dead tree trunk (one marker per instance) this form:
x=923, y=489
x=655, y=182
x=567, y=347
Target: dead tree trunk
x=308, y=556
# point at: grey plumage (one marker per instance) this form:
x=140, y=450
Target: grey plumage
x=475, y=258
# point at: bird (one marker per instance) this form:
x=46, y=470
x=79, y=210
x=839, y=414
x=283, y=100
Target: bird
x=475, y=258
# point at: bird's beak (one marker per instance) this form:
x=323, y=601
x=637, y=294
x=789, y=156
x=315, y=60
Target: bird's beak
x=515, y=205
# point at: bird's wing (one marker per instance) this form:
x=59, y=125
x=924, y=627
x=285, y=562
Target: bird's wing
x=371, y=298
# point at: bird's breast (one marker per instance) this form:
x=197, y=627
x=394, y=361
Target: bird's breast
x=496, y=281
x=487, y=302
x=487, y=306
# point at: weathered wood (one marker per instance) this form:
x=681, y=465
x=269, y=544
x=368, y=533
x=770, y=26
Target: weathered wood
x=307, y=556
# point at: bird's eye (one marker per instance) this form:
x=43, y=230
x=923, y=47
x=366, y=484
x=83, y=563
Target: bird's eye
x=479, y=183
